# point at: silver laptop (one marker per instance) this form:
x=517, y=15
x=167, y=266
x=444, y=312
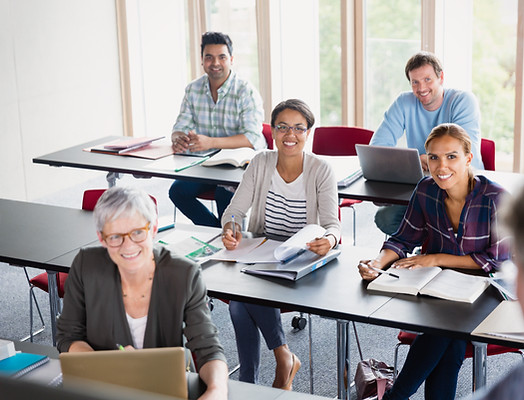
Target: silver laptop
x=389, y=164
x=160, y=370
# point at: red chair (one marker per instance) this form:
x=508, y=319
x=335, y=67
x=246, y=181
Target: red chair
x=487, y=152
x=341, y=141
x=407, y=338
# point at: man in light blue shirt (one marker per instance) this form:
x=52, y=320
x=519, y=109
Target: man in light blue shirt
x=219, y=111
x=417, y=112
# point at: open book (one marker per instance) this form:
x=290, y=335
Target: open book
x=290, y=259
x=504, y=322
x=432, y=281
x=236, y=157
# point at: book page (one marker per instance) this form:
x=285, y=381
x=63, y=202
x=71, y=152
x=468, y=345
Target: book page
x=243, y=252
x=410, y=281
x=298, y=241
x=457, y=286
x=236, y=157
x=505, y=321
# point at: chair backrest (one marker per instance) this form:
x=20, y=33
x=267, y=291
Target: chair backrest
x=266, y=131
x=339, y=140
x=91, y=196
x=487, y=152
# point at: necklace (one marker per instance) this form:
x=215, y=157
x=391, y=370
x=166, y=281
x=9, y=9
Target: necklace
x=146, y=289
x=142, y=296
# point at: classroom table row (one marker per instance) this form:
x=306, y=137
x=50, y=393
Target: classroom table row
x=48, y=237
x=361, y=189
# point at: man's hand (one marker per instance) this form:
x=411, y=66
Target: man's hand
x=199, y=142
x=180, y=142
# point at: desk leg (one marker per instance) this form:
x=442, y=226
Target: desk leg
x=111, y=178
x=54, y=301
x=342, y=358
x=480, y=353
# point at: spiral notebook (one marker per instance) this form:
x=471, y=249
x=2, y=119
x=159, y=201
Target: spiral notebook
x=21, y=363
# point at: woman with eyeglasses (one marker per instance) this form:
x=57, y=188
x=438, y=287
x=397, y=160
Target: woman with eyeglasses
x=285, y=190
x=129, y=293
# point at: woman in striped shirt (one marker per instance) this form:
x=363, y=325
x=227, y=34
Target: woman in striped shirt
x=285, y=190
x=455, y=214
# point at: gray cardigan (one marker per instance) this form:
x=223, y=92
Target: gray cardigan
x=321, y=193
x=94, y=309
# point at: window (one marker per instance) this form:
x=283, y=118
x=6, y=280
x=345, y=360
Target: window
x=237, y=18
x=330, y=62
x=494, y=63
x=392, y=36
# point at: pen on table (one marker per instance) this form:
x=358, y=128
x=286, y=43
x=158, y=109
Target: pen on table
x=119, y=346
x=196, y=162
x=234, y=227
x=380, y=271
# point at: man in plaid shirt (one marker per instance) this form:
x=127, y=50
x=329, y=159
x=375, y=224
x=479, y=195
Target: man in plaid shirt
x=219, y=111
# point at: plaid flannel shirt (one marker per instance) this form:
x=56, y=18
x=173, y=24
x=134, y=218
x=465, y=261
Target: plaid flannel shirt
x=479, y=234
x=238, y=110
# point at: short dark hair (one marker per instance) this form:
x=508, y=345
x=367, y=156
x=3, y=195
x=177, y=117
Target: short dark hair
x=297, y=105
x=216, y=38
x=423, y=58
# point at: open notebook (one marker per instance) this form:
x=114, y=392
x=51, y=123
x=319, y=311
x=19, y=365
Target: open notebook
x=289, y=260
x=160, y=370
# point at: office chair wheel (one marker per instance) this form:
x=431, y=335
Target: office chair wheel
x=298, y=322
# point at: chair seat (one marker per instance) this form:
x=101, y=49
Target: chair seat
x=210, y=195
x=493, y=349
x=40, y=281
x=349, y=202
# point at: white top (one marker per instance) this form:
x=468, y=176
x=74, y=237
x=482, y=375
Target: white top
x=137, y=326
x=285, y=212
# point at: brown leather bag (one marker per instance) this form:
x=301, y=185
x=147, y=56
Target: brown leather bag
x=372, y=379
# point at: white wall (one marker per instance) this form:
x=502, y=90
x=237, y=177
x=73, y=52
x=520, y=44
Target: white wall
x=158, y=66
x=59, y=86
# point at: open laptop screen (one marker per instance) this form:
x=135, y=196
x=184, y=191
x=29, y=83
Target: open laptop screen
x=390, y=164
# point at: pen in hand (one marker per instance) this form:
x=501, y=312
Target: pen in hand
x=119, y=346
x=380, y=271
x=233, y=227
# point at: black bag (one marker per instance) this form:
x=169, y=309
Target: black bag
x=372, y=379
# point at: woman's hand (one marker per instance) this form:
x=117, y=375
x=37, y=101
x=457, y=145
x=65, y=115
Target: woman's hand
x=428, y=260
x=321, y=245
x=230, y=242
x=366, y=272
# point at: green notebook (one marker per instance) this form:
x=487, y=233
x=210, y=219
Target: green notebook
x=21, y=363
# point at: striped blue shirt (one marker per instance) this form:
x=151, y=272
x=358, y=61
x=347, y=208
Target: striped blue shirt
x=478, y=235
x=238, y=110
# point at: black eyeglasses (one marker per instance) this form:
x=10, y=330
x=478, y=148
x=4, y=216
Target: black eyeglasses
x=136, y=235
x=299, y=130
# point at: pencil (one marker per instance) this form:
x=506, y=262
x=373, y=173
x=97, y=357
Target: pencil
x=380, y=271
